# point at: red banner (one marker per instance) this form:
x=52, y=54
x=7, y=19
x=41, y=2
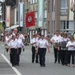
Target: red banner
x=30, y=19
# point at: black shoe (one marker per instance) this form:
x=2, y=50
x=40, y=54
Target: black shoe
x=58, y=62
x=55, y=62
x=36, y=61
x=13, y=65
x=43, y=65
x=32, y=61
x=17, y=64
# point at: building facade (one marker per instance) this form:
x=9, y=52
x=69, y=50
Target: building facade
x=57, y=15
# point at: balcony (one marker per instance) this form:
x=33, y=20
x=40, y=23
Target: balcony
x=64, y=11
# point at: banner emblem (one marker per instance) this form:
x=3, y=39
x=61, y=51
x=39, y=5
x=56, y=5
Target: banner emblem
x=29, y=19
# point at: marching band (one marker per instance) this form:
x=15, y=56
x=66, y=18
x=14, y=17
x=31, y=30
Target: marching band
x=64, y=47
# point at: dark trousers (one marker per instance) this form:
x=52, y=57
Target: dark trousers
x=42, y=53
x=34, y=54
x=18, y=55
x=64, y=57
x=13, y=56
x=57, y=55
x=36, y=57
x=73, y=57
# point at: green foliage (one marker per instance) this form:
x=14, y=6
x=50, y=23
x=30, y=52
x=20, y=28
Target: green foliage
x=74, y=9
x=11, y=24
x=1, y=27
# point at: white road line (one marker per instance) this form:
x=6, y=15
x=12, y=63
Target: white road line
x=16, y=71
x=2, y=45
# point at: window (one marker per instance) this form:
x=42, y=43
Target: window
x=31, y=1
x=64, y=6
x=62, y=25
x=35, y=1
x=48, y=6
x=45, y=14
x=53, y=5
x=35, y=14
x=67, y=26
x=17, y=16
x=53, y=26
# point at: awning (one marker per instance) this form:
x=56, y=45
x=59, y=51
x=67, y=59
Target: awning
x=12, y=27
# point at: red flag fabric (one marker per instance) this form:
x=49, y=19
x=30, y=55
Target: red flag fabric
x=30, y=19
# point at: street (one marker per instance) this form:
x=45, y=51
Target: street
x=28, y=68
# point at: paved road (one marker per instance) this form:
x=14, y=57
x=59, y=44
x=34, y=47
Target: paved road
x=28, y=68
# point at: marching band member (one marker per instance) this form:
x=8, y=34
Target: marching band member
x=42, y=45
x=20, y=46
x=37, y=39
x=71, y=51
x=33, y=43
x=7, y=39
x=21, y=36
x=13, y=50
x=55, y=41
x=64, y=50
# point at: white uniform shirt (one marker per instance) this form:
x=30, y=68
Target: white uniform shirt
x=37, y=39
x=42, y=43
x=21, y=36
x=56, y=39
x=13, y=43
x=69, y=44
x=33, y=41
x=64, y=39
x=7, y=40
x=20, y=43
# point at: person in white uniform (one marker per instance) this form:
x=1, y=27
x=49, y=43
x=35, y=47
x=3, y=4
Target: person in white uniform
x=7, y=40
x=20, y=47
x=64, y=50
x=42, y=45
x=37, y=39
x=33, y=43
x=13, y=46
x=55, y=41
x=21, y=36
x=71, y=51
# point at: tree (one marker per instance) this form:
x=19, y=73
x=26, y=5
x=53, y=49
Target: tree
x=1, y=28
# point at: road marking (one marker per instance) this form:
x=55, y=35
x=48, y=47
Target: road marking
x=16, y=71
x=2, y=45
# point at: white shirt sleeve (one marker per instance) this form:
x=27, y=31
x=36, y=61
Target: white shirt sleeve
x=67, y=44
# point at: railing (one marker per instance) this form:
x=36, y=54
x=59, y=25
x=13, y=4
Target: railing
x=64, y=11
